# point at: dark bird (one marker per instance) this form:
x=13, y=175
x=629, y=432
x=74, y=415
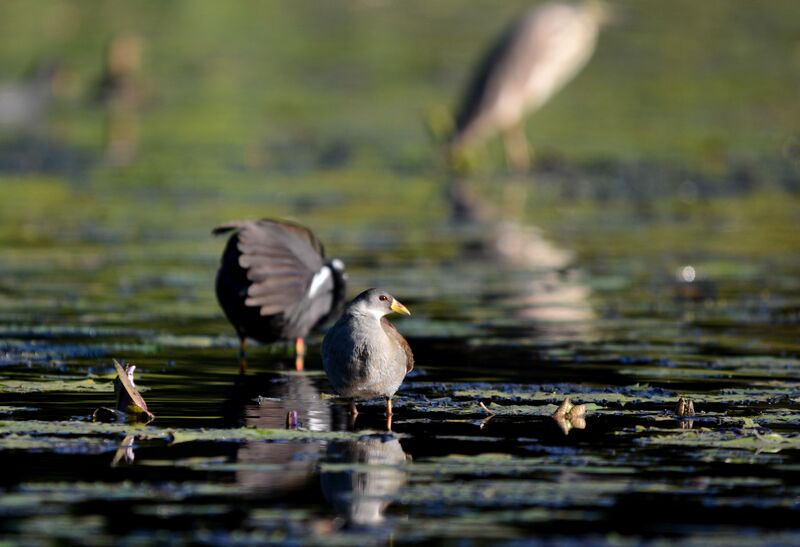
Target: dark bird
x=274, y=283
x=363, y=354
x=536, y=55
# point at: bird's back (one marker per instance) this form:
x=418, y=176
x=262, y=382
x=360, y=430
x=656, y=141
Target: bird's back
x=533, y=58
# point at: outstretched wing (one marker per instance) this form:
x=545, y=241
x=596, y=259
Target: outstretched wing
x=281, y=260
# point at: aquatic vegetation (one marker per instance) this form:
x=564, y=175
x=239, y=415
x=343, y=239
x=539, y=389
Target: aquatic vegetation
x=88, y=385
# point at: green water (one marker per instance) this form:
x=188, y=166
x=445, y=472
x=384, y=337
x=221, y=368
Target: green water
x=674, y=151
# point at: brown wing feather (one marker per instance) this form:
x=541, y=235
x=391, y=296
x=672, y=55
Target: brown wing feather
x=303, y=233
x=393, y=334
x=279, y=259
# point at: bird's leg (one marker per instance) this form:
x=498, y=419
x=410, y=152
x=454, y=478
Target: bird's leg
x=353, y=409
x=516, y=145
x=388, y=414
x=242, y=354
x=300, y=353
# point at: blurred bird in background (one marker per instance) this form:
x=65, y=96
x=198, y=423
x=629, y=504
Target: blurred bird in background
x=24, y=103
x=274, y=283
x=121, y=92
x=533, y=59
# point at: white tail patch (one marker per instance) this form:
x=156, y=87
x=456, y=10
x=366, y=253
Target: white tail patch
x=318, y=281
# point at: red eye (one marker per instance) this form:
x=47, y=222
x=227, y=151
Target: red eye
x=383, y=297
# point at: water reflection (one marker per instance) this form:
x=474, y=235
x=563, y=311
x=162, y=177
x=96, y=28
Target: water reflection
x=537, y=280
x=124, y=453
x=273, y=468
x=361, y=489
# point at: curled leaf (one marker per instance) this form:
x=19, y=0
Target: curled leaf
x=129, y=400
x=685, y=407
x=569, y=416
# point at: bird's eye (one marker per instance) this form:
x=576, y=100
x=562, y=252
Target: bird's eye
x=383, y=297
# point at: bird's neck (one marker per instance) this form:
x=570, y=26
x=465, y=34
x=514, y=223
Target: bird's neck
x=371, y=316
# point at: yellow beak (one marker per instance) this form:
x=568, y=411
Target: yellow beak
x=397, y=307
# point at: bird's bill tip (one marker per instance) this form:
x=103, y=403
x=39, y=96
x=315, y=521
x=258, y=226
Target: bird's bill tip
x=397, y=307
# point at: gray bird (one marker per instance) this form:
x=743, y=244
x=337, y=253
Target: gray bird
x=536, y=55
x=363, y=354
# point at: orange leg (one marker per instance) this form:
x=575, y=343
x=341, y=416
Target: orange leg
x=300, y=353
x=389, y=406
x=353, y=409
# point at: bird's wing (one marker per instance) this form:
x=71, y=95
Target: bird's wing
x=394, y=335
x=474, y=101
x=543, y=50
x=281, y=260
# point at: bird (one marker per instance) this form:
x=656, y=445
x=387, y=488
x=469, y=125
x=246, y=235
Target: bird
x=363, y=354
x=275, y=284
x=121, y=91
x=536, y=55
x=24, y=103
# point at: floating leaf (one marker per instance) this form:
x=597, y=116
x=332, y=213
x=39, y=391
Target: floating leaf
x=128, y=398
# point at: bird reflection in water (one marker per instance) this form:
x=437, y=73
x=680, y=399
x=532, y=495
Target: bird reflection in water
x=275, y=469
x=537, y=279
x=361, y=492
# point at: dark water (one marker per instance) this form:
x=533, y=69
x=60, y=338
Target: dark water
x=653, y=257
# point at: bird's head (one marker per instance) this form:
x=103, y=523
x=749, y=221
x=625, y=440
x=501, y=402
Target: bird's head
x=377, y=303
